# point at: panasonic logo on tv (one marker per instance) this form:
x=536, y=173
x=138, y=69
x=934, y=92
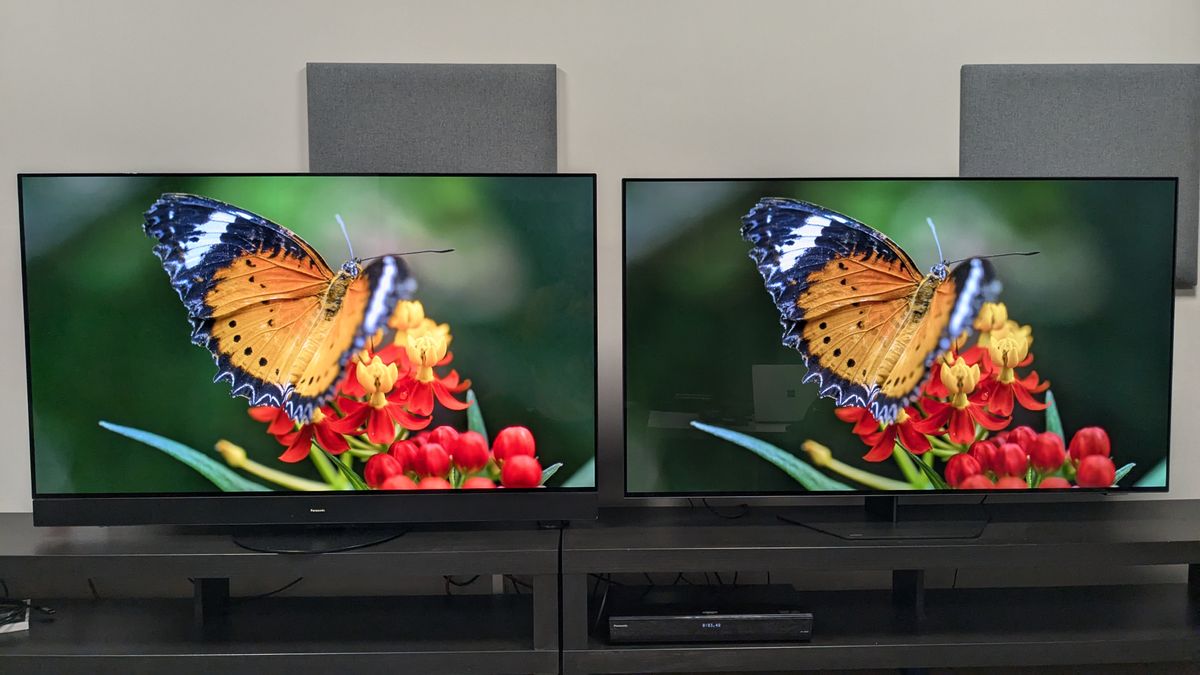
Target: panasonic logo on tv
x=316, y=510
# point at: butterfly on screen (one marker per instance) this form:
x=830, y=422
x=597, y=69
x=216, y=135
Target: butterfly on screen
x=280, y=323
x=866, y=321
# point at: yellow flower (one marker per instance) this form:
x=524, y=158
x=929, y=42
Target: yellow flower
x=992, y=316
x=409, y=320
x=408, y=314
x=1017, y=332
x=377, y=379
x=1007, y=351
x=426, y=349
x=960, y=380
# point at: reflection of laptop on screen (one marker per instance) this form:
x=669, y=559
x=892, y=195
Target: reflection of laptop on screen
x=780, y=394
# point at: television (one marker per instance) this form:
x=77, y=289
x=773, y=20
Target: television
x=891, y=337
x=266, y=349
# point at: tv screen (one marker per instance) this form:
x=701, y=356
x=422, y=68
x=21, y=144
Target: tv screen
x=310, y=348
x=897, y=335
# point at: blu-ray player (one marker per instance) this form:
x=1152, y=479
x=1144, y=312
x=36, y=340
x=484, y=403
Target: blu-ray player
x=642, y=614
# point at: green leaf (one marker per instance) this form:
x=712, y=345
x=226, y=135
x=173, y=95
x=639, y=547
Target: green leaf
x=934, y=479
x=549, y=471
x=475, y=416
x=584, y=477
x=1156, y=477
x=355, y=481
x=804, y=473
x=222, y=476
x=1053, y=421
x=1123, y=471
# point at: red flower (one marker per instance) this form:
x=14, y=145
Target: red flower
x=1096, y=471
x=435, y=461
x=976, y=482
x=1010, y=460
x=1046, y=452
x=472, y=452
x=965, y=409
x=1054, y=482
x=512, y=441
x=381, y=467
x=323, y=427
x=521, y=471
x=961, y=467
x=478, y=483
x=866, y=426
x=407, y=452
x=1023, y=436
x=445, y=436
x=905, y=427
x=1090, y=441
x=434, y=483
x=984, y=452
x=421, y=385
x=1000, y=395
x=385, y=407
x=398, y=482
x=279, y=424
x=1011, y=483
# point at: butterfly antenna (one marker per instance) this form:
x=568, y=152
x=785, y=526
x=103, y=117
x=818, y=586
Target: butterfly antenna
x=933, y=229
x=997, y=255
x=345, y=234
x=403, y=253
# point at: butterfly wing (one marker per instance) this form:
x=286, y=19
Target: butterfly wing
x=255, y=295
x=364, y=312
x=842, y=290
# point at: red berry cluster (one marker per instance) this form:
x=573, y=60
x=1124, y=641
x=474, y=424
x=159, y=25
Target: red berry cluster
x=445, y=458
x=1021, y=458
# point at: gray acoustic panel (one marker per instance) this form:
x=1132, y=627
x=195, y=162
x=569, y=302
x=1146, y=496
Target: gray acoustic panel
x=440, y=118
x=1088, y=120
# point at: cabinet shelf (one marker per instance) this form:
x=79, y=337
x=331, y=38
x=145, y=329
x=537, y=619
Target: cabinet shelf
x=961, y=628
x=427, y=634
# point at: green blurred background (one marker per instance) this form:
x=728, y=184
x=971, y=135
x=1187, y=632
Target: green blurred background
x=702, y=333
x=109, y=338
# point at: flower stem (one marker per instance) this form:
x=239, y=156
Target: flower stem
x=362, y=453
x=235, y=456
x=331, y=475
x=910, y=472
x=823, y=457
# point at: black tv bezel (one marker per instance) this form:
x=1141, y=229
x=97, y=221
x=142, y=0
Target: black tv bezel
x=826, y=494
x=299, y=508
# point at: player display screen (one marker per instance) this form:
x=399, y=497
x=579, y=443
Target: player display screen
x=832, y=335
x=306, y=334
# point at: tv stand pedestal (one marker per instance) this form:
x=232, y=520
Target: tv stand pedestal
x=884, y=518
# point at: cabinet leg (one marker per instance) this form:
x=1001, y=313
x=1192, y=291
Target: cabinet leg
x=575, y=611
x=545, y=612
x=908, y=591
x=210, y=600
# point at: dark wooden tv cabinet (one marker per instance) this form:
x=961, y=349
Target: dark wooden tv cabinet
x=911, y=627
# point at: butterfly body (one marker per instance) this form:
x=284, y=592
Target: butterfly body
x=280, y=323
x=854, y=305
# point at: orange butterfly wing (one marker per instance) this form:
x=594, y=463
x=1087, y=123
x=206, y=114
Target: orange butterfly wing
x=264, y=302
x=852, y=302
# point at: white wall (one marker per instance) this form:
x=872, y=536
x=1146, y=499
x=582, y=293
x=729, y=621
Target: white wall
x=659, y=88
